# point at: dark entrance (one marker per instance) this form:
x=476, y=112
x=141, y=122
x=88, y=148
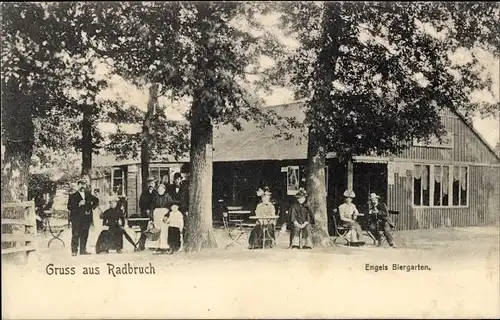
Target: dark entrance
x=369, y=178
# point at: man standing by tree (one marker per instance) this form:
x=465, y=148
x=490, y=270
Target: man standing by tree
x=177, y=191
x=80, y=206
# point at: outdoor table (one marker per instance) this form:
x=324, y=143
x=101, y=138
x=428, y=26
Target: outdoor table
x=265, y=221
x=238, y=213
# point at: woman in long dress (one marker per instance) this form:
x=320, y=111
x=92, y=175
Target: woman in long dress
x=111, y=237
x=263, y=209
x=348, y=214
x=161, y=205
x=302, y=218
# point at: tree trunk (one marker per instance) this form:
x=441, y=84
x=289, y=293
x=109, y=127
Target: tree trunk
x=199, y=221
x=86, y=142
x=146, y=135
x=15, y=171
x=18, y=139
x=316, y=188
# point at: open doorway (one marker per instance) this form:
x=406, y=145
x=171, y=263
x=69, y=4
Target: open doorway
x=369, y=178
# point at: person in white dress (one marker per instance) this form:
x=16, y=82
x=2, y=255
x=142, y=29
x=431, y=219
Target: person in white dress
x=348, y=215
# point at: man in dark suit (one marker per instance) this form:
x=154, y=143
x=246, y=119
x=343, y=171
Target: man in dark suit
x=80, y=206
x=178, y=192
x=380, y=220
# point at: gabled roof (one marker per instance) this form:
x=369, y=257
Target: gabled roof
x=477, y=134
x=254, y=143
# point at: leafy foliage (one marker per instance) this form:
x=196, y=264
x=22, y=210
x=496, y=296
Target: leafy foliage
x=373, y=75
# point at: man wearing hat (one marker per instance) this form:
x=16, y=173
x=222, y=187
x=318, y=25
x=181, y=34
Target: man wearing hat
x=80, y=206
x=302, y=218
x=178, y=192
x=380, y=220
x=348, y=214
x=146, y=206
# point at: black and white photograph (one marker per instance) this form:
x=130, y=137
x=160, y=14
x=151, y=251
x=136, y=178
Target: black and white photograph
x=250, y=160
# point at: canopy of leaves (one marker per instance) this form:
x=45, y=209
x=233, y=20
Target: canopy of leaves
x=372, y=74
x=193, y=50
x=28, y=71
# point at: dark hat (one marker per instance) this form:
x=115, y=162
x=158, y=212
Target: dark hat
x=301, y=193
x=174, y=202
x=177, y=175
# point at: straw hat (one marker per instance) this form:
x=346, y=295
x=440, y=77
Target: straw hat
x=374, y=196
x=349, y=194
x=266, y=191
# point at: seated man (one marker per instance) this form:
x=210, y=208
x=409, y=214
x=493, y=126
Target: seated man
x=302, y=218
x=380, y=220
x=348, y=214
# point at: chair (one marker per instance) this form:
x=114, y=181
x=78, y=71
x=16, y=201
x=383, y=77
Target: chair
x=366, y=229
x=341, y=231
x=234, y=229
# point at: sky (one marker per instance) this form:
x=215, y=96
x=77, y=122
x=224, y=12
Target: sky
x=488, y=128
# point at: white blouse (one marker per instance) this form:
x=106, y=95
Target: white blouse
x=347, y=211
x=176, y=220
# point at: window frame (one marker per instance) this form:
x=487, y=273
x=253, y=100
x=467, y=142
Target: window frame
x=451, y=168
x=158, y=168
x=122, y=178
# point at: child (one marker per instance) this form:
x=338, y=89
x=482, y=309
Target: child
x=163, y=240
x=175, y=227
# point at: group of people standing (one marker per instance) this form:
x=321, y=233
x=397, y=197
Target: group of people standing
x=165, y=207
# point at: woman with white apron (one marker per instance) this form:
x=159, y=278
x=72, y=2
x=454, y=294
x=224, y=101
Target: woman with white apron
x=161, y=204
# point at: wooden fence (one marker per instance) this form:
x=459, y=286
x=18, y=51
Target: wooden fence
x=18, y=228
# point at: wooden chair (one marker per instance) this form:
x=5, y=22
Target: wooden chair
x=234, y=229
x=367, y=231
x=341, y=232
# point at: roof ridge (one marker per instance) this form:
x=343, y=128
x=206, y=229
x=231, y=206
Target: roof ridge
x=480, y=136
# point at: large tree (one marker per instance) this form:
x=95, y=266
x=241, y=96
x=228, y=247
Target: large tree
x=29, y=89
x=204, y=57
x=376, y=75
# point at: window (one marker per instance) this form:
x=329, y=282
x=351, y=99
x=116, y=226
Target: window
x=440, y=185
x=118, y=181
x=160, y=174
x=292, y=180
x=421, y=185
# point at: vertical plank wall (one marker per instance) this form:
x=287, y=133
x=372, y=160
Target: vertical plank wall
x=483, y=209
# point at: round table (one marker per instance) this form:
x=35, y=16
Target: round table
x=264, y=222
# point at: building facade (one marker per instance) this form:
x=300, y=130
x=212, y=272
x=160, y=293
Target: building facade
x=455, y=183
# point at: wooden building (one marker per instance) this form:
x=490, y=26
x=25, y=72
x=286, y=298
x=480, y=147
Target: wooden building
x=452, y=184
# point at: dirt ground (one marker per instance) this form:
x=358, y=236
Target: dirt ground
x=460, y=280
